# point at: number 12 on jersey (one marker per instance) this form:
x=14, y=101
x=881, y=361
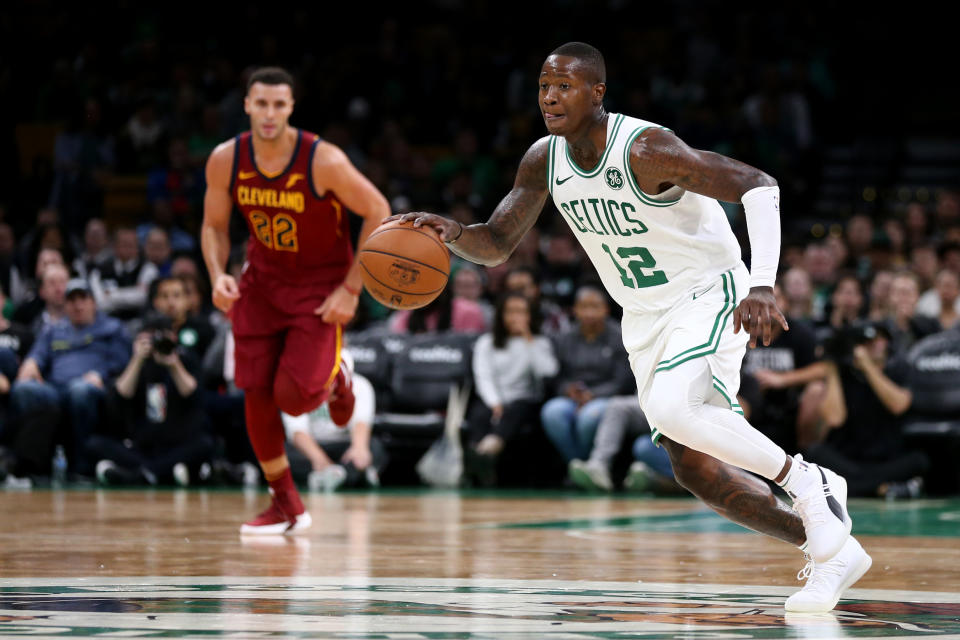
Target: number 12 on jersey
x=641, y=260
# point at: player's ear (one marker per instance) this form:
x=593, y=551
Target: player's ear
x=246, y=104
x=599, y=90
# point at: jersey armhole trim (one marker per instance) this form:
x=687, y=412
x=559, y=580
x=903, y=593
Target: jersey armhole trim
x=551, y=147
x=632, y=180
x=233, y=168
x=313, y=187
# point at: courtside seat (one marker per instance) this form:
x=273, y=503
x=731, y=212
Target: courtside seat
x=933, y=423
x=422, y=372
x=373, y=354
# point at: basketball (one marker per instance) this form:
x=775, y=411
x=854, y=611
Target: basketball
x=404, y=267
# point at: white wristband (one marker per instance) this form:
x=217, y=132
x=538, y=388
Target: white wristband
x=761, y=205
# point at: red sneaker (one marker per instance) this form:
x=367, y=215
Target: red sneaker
x=275, y=521
x=342, y=399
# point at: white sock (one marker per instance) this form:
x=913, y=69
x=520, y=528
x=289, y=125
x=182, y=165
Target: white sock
x=676, y=406
x=796, y=478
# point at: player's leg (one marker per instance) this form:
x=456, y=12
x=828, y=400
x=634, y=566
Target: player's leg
x=311, y=370
x=745, y=499
x=679, y=409
x=258, y=349
x=733, y=493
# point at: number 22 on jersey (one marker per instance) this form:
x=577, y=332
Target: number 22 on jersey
x=278, y=233
x=642, y=259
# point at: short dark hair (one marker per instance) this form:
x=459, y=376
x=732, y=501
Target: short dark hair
x=270, y=75
x=589, y=55
x=154, y=289
x=500, y=332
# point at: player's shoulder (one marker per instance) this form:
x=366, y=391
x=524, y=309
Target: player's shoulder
x=533, y=166
x=221, y=158
x=326, y=153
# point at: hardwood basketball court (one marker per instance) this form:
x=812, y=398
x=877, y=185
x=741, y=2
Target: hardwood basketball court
x=423, y=564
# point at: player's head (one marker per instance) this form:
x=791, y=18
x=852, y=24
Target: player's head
x=269, y=102
x=572, y=85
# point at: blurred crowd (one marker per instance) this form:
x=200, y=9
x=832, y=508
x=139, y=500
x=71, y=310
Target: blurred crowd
x=110, y=348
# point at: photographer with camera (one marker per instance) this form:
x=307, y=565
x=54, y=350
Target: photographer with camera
x=158, y=429
x=864, y=401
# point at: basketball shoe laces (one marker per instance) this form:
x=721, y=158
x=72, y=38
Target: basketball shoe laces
x=811, y=506
x=816, y=575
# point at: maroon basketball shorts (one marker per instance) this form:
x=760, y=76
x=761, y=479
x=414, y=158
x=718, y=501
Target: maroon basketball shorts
x=268, y=338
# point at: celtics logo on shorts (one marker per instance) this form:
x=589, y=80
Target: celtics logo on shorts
x=614, y=178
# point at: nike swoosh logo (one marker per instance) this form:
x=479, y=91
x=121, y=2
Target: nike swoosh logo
x=559, y=181
x=832, y=502
x=246, y=175
x=697, y=295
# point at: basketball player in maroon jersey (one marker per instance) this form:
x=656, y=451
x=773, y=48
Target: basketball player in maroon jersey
x=300, y=284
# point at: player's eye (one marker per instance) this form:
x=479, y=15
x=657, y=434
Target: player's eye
x=543, y=85
x=564, y=85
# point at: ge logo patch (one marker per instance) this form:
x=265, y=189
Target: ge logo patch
x=614, y=178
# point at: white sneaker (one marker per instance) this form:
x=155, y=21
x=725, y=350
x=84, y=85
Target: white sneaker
x=827, y=581
x=590, y=475
x=251, y=474
x=820, y=499
x=327, y=479
x=181, y=475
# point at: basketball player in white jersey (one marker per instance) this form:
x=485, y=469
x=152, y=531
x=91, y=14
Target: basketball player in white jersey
x=644, y=206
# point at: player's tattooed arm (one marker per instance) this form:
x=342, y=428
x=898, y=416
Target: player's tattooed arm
x=659, y=160
x=492, y=242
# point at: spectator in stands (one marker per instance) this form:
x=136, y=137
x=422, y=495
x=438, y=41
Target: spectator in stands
x=878, y=296
x=592, y=369
x=194, y=333
x=902, y=322
x=527, y=280
x=947, y=286
x=15, y=342
x=864, y=402
x=159, y=429
x=925, y=262
x=445, y=313
x=70, y=365
x=96, y=249
x=846, y=306
x=859, y=240
x=179, y=184
x=819, y=262
x=510, y=365
x=798, y=294
x=49, y=307
x=120, y=285
x=162, y=217
x=27, y=246
x=917, y=225
x=468, y=284
x=330, y=457
x=623, y=421
x=157, y=251
x=11, y=278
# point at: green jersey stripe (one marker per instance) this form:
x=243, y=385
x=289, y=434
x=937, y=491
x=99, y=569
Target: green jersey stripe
x=713, y=332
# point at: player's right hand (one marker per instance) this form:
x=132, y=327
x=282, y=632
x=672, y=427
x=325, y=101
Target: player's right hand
x=225, y=292
x=447, y=228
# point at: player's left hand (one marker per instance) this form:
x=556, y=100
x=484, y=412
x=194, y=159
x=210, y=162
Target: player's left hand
x=757, y=313
x=339, y=307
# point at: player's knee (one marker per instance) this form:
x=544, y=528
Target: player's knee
x=290, y=399
x=668, y=411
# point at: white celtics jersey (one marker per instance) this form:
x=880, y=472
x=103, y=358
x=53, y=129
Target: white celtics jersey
x=650, y=251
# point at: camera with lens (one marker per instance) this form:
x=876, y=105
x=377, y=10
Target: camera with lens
x=160, y=328
x=839, y=347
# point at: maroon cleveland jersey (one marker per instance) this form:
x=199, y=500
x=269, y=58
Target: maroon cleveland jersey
x=296, y=234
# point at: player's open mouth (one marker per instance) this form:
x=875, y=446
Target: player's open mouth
x=553, y=116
